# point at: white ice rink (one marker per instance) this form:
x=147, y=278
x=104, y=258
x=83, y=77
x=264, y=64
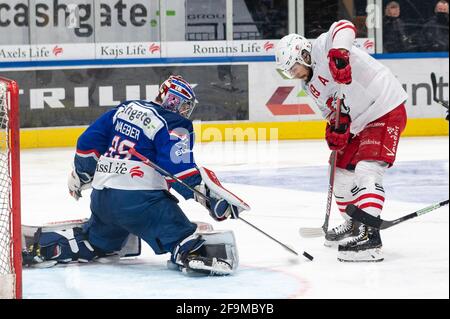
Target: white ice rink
x=286, y=185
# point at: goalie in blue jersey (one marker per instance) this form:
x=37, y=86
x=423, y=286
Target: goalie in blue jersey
x=130, y=198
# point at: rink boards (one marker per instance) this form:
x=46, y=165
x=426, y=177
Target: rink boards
x=247, y=131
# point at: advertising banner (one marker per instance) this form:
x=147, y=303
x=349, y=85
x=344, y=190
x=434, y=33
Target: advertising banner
x=414, y=74
x=68, y=97
x=275, y=98
x=44, y=30
x=155, y=49
x=80, y=21
x=125, y=50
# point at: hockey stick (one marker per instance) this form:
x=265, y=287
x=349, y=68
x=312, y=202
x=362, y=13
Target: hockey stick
x=318, y=232
x=365, y=218
x=435, y=98
x=146, y=161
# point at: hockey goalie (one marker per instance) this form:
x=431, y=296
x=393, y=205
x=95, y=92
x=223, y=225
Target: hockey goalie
x=132, y=200
x=372, y=118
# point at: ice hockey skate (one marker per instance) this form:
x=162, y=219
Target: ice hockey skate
x=206, y=253
x=341, y=234
x=365, y=247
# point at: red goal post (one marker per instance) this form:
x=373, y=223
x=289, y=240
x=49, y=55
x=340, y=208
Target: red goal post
x=10, y=224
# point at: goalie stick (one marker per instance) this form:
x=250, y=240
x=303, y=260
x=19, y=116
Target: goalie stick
x=146, y=161
x=435, y=98
x=309, y=232
x=365, y=218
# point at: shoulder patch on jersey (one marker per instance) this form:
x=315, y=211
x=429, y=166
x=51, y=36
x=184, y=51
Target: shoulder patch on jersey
x=341, y=25
x=142, y=116
x=174, y=120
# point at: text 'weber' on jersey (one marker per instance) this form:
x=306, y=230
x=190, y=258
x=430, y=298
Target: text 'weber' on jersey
x=165, y=137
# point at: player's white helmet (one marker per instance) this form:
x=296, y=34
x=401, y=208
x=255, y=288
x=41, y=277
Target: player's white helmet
x=291, y=49
x=177, y=95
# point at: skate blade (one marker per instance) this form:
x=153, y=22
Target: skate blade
x=218, y=268
x=193, y=273
x=331, y=244
x=44, y=264
x=369, y=255
x=108, y=259
x=311, y=232
x=199, y=269
x=184, y=270
x=336, y=243
x=172, y=266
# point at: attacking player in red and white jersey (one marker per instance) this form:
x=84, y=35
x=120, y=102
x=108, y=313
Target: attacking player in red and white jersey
x=372, y=117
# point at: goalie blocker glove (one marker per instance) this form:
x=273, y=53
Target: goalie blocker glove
x=219, y=201
x=219, y=209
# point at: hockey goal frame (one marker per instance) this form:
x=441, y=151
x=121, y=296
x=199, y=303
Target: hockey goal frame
x=11, y=283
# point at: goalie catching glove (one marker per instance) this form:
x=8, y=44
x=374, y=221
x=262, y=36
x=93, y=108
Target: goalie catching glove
x=220, y=202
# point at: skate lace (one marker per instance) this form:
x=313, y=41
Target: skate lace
x=343, y=228
x=362, y=235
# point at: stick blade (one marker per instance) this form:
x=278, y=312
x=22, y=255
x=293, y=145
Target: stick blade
x=310, y=232
x=363, y=217
x=308, y=256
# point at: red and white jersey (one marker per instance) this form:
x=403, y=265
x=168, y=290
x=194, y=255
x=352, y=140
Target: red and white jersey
x=374, y=90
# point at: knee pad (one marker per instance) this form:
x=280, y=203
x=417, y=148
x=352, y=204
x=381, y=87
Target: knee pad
x=344, y=181
x=211, y=252
x=367, y=173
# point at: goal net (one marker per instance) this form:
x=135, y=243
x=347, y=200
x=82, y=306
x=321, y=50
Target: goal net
x=10, y=235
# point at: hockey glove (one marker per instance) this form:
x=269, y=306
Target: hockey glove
x=337, y=139
x=218, y=207
x=339, y=64
x=77, y=183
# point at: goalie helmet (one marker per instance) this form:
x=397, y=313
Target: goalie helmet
x=176, y=95
x=292, y=49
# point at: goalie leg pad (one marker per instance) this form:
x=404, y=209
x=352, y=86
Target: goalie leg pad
x=210, y=253
x=65, y=246
x=65, y=241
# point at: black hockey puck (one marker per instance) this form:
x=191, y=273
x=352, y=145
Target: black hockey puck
x=308, y=255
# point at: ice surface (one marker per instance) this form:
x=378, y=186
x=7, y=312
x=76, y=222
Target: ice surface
x=286, y=184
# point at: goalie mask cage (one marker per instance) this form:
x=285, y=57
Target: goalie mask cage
x=10, y=226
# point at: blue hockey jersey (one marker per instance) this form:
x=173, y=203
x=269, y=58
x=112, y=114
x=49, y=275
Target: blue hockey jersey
x=164, y=137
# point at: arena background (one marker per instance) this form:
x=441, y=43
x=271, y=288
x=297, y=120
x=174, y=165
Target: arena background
x=75, y=59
